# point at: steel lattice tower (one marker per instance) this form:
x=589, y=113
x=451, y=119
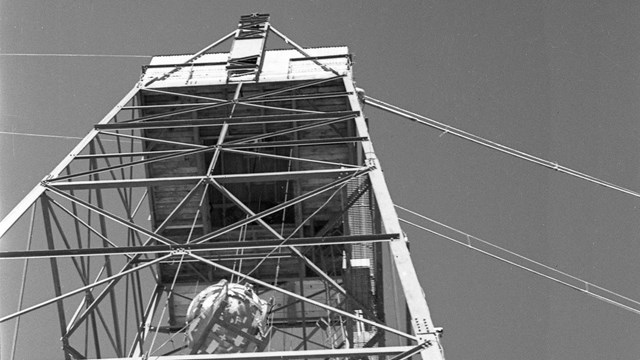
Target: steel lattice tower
x=253, y=166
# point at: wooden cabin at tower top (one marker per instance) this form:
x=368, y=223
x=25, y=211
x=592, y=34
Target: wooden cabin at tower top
x=292, y=107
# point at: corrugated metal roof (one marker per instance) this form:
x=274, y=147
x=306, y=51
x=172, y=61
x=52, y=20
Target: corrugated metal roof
x=279, y=64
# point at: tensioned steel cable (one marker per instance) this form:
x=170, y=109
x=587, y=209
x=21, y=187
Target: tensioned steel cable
x=41, y=135
x=46, y=135
x=494, y=145
x=587, y=289
x=77, y=55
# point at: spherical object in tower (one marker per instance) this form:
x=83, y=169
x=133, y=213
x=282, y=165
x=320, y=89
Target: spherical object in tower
x=226, y=318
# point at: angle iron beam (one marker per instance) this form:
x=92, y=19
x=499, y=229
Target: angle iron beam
x=411, y=287
x=149, y=160
x=303, y=85
x=107, y=260
x=301, y=51
x=315, y=268
x=107, y=331
x=112, y=281
x=290, y=158
x=247, y=101
x=121, y=192
x=307, y=300
x=55, y=272
x=190, y=60
x=287, y=355
x=167, y=105
x=287, y=333
x=216, y=153
x=130, y=154
x=301, y=276
x=193, y=109
x=236, y=95
x=113, y=217
x=79, y=290
x=223, y=179
x=75, y=353
x=280, y=206
x=145, y=325
x=74, y=213
x=253, y=104
x=219, y=245
x=179, y=207
x=142, y=138
x=308, y=340
x=189, y=96
x=306, y=142
x=293, y=303
x=221, y=120
x=409, y=353
x=216, y=256
x=301, y=97
x=63, y=237
x=82, y=222
x=38, y=190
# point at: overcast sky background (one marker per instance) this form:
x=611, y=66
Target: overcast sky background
x=557, y=79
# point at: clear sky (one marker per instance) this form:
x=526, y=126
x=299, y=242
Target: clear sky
x=557, y=79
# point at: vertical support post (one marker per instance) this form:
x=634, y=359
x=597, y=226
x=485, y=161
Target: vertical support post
x=55, y=273
x=379, y=288
x=302, y=269
x=107, y=261
x=145, y=325
x=22, y=284
x=421, y=316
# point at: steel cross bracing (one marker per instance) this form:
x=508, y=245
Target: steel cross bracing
x=174, y=189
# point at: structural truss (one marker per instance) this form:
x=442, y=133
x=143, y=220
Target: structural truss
x=254, y=166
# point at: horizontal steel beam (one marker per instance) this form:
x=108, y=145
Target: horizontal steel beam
x=300, y=354
x=297, y=129
x=131, y=154
x=219, y=256
x=288, y=158
x=219, y=121
x=301, y=97
x=170, y=105
x=223, y=179
x=305, y=142
x=218, y=245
